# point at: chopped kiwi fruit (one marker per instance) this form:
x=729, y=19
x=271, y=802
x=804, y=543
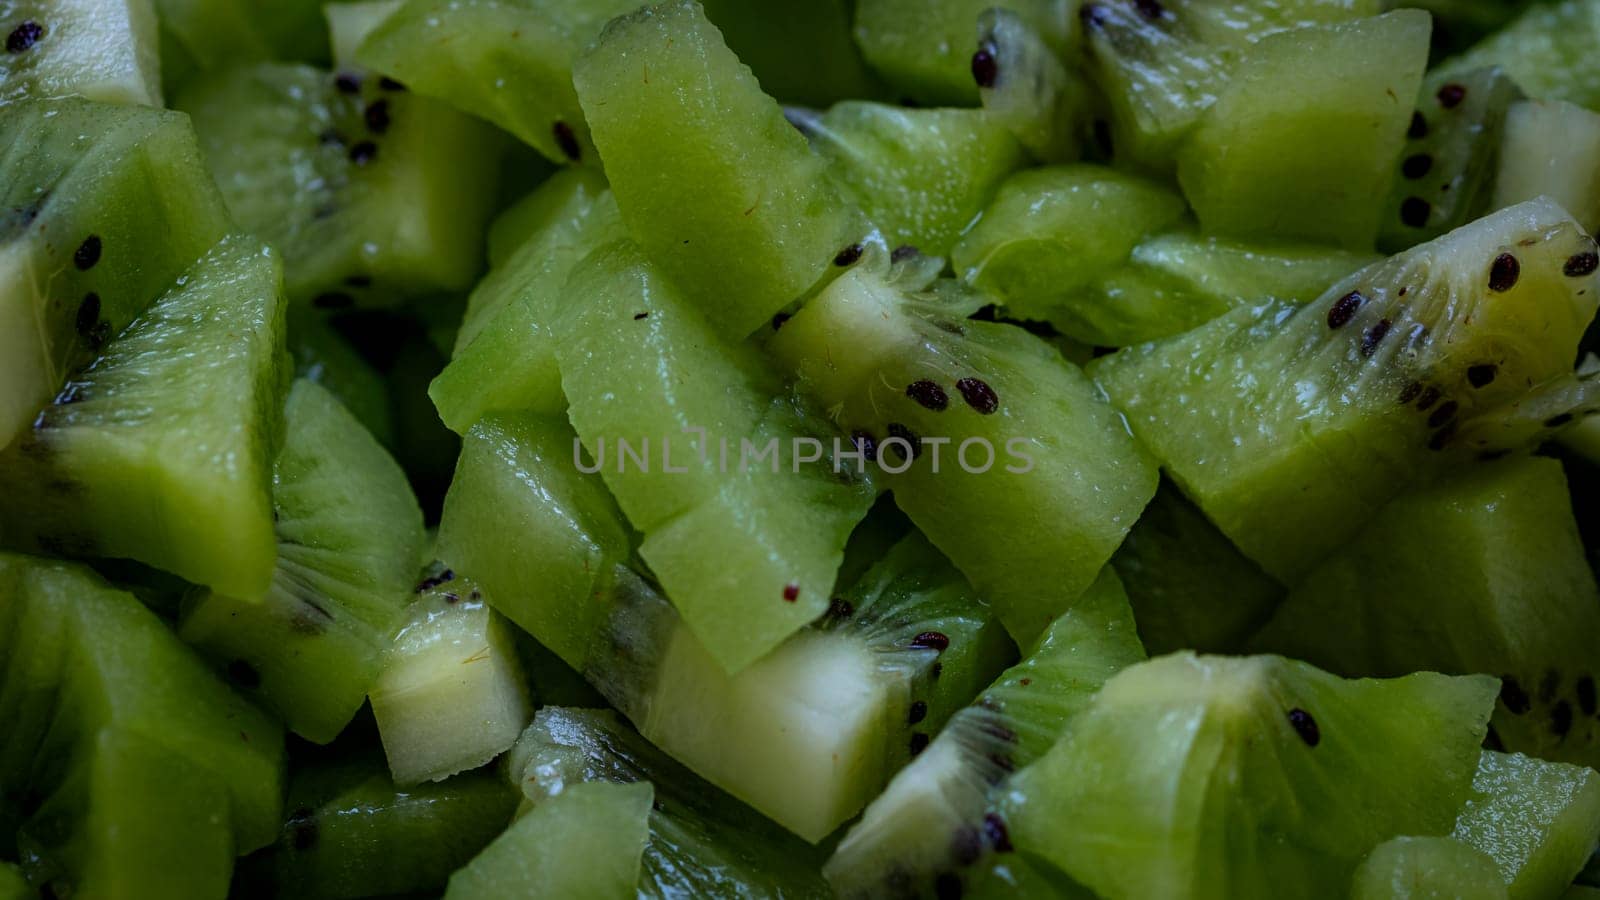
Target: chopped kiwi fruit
x=370, y=192
x=349, y=534
x=1162, y=65
x=831, y=708
x=1025, y=86
x=103, y=208
x=322, y=355
x=1551, y=149
x=684, y=429
x=1547, y=51
x=161, y=450
x=126, y=768
x=700, y=842
x=1417, y=868
x=586, y=841
x=1209, y=776
x=802, y=51
x=506, y=61
x=967, y=420
x=217, y=34
x=711, y=180
x=924, y=49
x=1446, y=174
x=1051, y=232
x=1497, y=547
x=505, y=358
x=1326, y=137
x=1289, y=425
x=932, y=828
x=1538, y=820
x=104, y=50
x=452, y=694
x=921, y=175
x=350, y=832
x=1191, y=589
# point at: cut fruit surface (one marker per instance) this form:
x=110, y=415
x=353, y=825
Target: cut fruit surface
x=161, y=451
x=712, y=181
x=1290, y=425
x=1423, y=868
x=1551, y=149
x=371, y=193
x=1538, y=820
x=104, y=50
x=1246, y=776
x=349, y=534
x=1032, y=92
x=105, y=207
x=1545, y=50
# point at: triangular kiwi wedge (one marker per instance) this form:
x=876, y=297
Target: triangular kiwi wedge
x=161, y=450
x=105, y=50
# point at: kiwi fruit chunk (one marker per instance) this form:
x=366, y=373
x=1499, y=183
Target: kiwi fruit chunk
x=371, y=193
x=1446, y=175
x=1351, y=398
x=103, y=208
x=965, y=420
x=1551, y=149
x=349, y=534
x=1027, y=87
x=586, y=841
x=126, y=768
x=161, y=449
x=1206, y=776
x=932, y=831
x=1545, y=50
x=700, y=842
x=1538, y=820
x=711, y=180
x=1414, y=868
x=103, y=50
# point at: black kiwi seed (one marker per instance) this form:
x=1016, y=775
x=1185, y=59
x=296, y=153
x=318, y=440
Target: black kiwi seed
x=778, y=319
x=903, y=253
x=389, y=84
x=302, y=828
x=1558, y=420
x=88, y=314
x=1414, y=212
x=931, y=640
x=1561, y=719
x=994, y=828
x=244, y=675
x=849, y=256
x=865, y=445
x=1416, y=165
x=1503, y=273
x=333, y=300
x=840, y=608
x=919, y=742
x=1373, y=335
x=791, y=593
x=640, y=316
x=347, y=82
x=985, y=68
x=87, y=254
x=1409, y=392
x=1441, y=438
x=1451, y=95
x=377, y=116
x=1344, y=309
x=1586, y=694
x=1419, y=126
x=1580, y=264
x=1305, y=726
x=928, y=394
x=1482, y=374
x=918, y=712
x=433, y=581
x=1445, y=413
x=947, y=886
x=363, y=153
x=566, y=140
x=24, y=36
x=1429, y=397
x=979, y=395
x=896, y=430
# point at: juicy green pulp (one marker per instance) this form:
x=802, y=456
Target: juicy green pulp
x=147, y=774
x=1034, y=94
x=1416, y=868
x=1546, y=51
x=1538, y=820
x=133, y=178
x=161, y=450
x=104, y=50
x=1186, y=777
x=1288, y=435
x=349, y=534
x=856, y=349
x=1551, y=149
x=744, y=202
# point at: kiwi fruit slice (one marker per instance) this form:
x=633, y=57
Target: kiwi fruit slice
x=161, y=449
x=700, y=841
x=1551, y=148
x=1025, y=85
x=1205, y=776
x=966, y=419
x=932, y=830
x=126, y=768
x=1413, y=868
x=588, y=840
x=103, y=208
x=371, y=193
x=742, y=200
x=1352, y=397
x=348, y=534
x=1545, y=50
x=1538, y=820
x=103, y=50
